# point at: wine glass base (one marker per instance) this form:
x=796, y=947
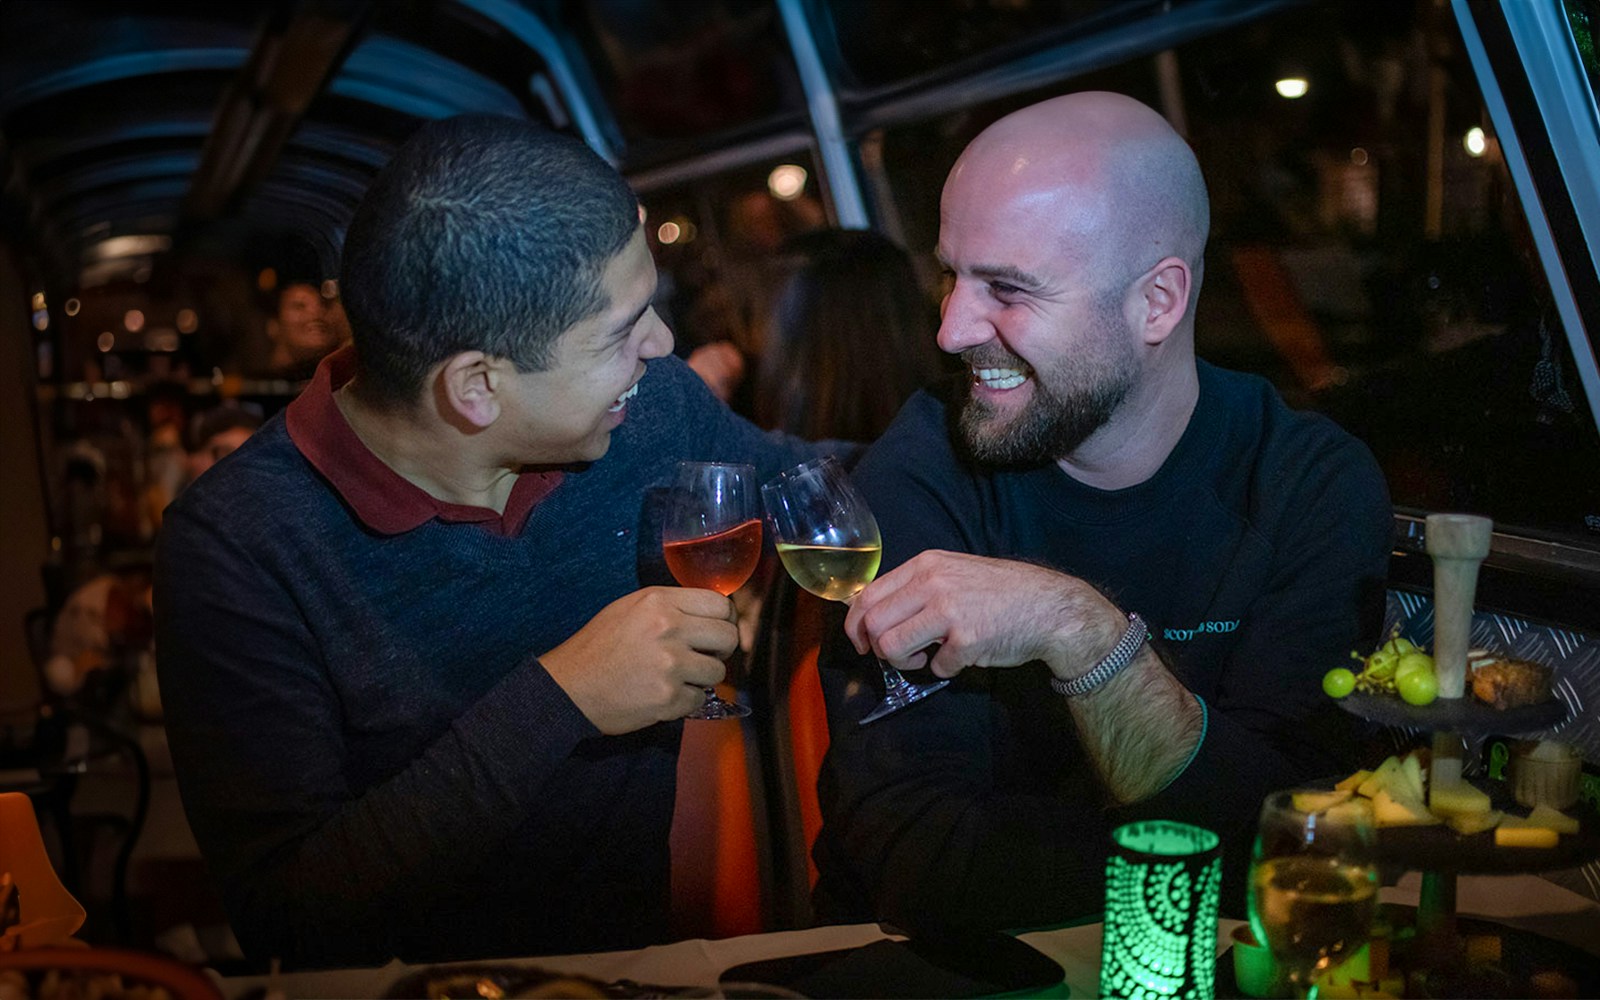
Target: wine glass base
x=898, y=696
x=716, y=708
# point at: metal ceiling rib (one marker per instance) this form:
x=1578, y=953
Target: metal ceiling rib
x=168, y=116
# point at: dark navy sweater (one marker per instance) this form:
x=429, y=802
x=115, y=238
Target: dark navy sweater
x=1256, y=554
x=371, y=757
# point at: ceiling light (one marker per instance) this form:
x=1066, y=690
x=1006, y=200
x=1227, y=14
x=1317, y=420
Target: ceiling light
x=787, y=181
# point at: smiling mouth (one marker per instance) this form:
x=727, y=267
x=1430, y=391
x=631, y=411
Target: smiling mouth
x=622, y=400
x=1001, y=378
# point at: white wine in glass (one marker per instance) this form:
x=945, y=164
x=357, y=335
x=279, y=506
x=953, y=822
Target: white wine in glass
x=1313, y=882
x=712, y=540
x=828, y=540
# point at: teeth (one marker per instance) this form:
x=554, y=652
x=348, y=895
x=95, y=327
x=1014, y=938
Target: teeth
x=622, y=400
x=1000, y=378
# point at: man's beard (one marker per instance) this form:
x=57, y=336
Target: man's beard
x=1071, y=401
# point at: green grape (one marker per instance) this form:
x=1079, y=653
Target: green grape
x=1410, y=662
x=1338, y=682
x=1419, y=687
x=1400, y=646
x=1381, y=664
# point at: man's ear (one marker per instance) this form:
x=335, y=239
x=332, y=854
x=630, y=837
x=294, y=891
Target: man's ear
x=471, y=384
x=1163, y=299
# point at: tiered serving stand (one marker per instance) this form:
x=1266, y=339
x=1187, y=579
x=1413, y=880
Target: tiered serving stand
x=1458, y=544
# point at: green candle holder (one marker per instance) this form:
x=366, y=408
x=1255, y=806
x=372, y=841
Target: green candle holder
x=1163, y=880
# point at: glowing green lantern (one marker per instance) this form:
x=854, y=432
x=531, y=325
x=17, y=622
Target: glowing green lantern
x=1162, y=884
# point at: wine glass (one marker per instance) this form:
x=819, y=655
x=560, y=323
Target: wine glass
x=828, y=541
x=712, y=539
x=1313, y=881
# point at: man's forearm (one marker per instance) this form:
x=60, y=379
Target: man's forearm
x=1140, y=728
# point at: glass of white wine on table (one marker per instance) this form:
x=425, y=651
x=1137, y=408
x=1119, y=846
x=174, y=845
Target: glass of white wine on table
x=828, y=541
x=1313, y=882
x=712, y=540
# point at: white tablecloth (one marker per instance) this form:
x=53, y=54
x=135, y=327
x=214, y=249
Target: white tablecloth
x=1521, y=901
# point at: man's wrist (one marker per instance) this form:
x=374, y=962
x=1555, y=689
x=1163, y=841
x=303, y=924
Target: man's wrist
x=1123, y=653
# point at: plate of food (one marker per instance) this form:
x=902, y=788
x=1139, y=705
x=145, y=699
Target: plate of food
x=1395, y=685
x=1470, y=827
x=108, y=973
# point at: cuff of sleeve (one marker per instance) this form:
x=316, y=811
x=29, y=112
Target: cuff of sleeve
x=1205, y=726
x=527, y=716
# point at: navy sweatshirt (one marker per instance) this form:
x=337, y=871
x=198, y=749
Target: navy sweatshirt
x=1256, y=554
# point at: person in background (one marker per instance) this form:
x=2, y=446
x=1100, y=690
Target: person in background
x=1136, y=566
x=849, y=337
x=218, y=433
x=300, y=333
x=422, y=676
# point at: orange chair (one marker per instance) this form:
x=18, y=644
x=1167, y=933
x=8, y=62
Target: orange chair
x=788, y=691
x=48, y=913
x=720, y=869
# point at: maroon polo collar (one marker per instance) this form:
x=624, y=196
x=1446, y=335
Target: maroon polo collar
x=382, y=499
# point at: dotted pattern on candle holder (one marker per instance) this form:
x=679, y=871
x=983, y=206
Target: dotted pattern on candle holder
x=1152, y=947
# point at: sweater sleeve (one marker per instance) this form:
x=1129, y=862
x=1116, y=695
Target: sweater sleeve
x=260, y=746
x=715, y=432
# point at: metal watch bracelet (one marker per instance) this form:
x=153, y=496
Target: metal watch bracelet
x=1120, y=656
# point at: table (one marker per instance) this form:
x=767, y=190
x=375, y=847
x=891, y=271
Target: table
x=1524, y=901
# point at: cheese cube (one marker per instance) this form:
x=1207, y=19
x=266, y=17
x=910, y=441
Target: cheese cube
x=1468, y=824
x=1457, y=799
x=1400, y=810
x=1524, y=836
x=1353, y=782
x=1552, y=819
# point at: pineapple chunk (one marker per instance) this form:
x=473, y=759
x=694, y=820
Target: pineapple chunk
x=1353, y=782
x=1524, y=836
x=1411, y=772
x=1390, y=809
x=1381, y=779
x=1552, y=819
x=1458, y=798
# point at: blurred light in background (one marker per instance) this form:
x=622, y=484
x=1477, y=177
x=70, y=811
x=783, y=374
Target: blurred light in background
x=1359, y=156
x=133, y=320
x=38, y=300
x=668, y=232
x=267, y=280
x=1292, y=87
x=787, y=181
x=41, y=319
x=1475, y=141
x=106, y=341
x=72, y=307
x=188, y=321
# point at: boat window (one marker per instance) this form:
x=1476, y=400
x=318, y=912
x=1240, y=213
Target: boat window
x=674, y=72
x=887, y=41
x=1584, y=17
x=716, y=241
x=1368, y=251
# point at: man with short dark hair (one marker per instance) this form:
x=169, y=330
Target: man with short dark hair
x=422, y=693
x=1163, y=557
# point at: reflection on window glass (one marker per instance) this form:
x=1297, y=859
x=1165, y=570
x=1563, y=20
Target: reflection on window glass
x=673, y=71
x=884, y=41
x=1582, y=15
x=1368, y=251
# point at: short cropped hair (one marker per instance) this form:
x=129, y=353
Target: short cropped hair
x=482, y=233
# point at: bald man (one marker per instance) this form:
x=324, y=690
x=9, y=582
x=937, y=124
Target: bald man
x=1136, y=566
